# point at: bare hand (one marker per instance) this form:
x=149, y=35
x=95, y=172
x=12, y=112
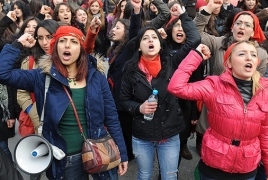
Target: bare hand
x=204, y=50
x=27, y=40
x=122, y=168
x=212, y=5
x=148, y=107
x=163, y=33
x=10, y=123
x=194, y=122
x=94, y=24
x=45, y=9
x=12, y=15
x=136, y=4
x=177, y=10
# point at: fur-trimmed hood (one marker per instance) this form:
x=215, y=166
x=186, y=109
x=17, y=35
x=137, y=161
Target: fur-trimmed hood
x=45, y=63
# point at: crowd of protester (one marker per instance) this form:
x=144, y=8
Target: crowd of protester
x=138, y=46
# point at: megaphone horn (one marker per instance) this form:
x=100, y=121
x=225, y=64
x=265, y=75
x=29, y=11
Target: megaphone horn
x=33, y=154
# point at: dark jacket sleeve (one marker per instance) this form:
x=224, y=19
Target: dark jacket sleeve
x=4, y=23
x=162, y=16
x=193, y=39
x=135, y=25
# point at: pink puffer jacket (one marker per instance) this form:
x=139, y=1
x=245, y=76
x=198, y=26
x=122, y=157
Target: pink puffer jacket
x=238, y=135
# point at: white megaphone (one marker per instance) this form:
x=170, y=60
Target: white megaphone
x=33, y=154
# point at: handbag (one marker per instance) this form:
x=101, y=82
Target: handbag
x=26, y=126
x=98, y=155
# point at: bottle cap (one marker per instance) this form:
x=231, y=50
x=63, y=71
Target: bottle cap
x=155, y=92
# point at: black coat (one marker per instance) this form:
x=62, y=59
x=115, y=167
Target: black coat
x=6, y=132
x=135, y=89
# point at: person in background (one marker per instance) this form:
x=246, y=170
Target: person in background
x=8, y=171
x=22, y=12
x=223, y=14
x=176, y=38
x=95, y=13
x=71, y=67
x=240, y=89
x=82, y=17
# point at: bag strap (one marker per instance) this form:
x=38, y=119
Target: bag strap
x=31, y=63
x=75, y=112
x=47, y=82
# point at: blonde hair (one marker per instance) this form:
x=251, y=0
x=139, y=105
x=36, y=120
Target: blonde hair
x=256, y=75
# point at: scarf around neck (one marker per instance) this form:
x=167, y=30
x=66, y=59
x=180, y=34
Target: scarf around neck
x=150, y=67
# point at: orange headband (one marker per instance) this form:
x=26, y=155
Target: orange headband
x=66, y=31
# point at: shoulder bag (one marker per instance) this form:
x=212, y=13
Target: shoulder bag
x=98, y=155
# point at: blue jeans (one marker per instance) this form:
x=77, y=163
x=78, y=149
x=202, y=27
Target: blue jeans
x=203, y=177
x=168, y=156
x=74, y=170
x=4, y=146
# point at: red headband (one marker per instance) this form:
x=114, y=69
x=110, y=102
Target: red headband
x=66, y=31
x=92, y=1
x=258, y=33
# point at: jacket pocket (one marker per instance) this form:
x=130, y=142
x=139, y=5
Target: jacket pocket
x=225, y=104
x=251, y=156
x=214, y=151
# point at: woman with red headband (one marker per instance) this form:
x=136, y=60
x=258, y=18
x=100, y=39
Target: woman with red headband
x=70, y=66
x=95, y=13
x=237, y=138
x=245, y=26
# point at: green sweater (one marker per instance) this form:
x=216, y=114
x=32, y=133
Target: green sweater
x=68, y=126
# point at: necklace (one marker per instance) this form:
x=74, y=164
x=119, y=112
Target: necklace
x=71, y=80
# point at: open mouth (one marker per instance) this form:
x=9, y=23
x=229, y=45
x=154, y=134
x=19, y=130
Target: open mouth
x=180, y=35
x=248, y=66
x=241, y=33
x=151, y=46
x=66, y=55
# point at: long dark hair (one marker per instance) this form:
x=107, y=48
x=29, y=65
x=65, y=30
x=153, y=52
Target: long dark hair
x=23, y=27
x=23, y=7
x=136, y=57
x=35, y=7
x=51, y=26
x=118, y=46
x=82, y=63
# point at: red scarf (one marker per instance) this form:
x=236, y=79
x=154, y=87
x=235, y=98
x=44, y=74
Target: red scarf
x=150, y=67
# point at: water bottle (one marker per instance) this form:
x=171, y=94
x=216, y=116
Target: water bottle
x=153, y=98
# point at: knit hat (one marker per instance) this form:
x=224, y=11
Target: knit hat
x=92, y=1
x=258, y=33
x=67, y=31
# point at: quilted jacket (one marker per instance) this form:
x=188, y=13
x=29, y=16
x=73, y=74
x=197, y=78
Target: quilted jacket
x=230, y=121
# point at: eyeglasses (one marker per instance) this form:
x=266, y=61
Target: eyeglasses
x=246, y=24
x=41, y=38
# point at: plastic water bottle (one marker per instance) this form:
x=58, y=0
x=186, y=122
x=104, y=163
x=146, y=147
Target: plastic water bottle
x=153, y=98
